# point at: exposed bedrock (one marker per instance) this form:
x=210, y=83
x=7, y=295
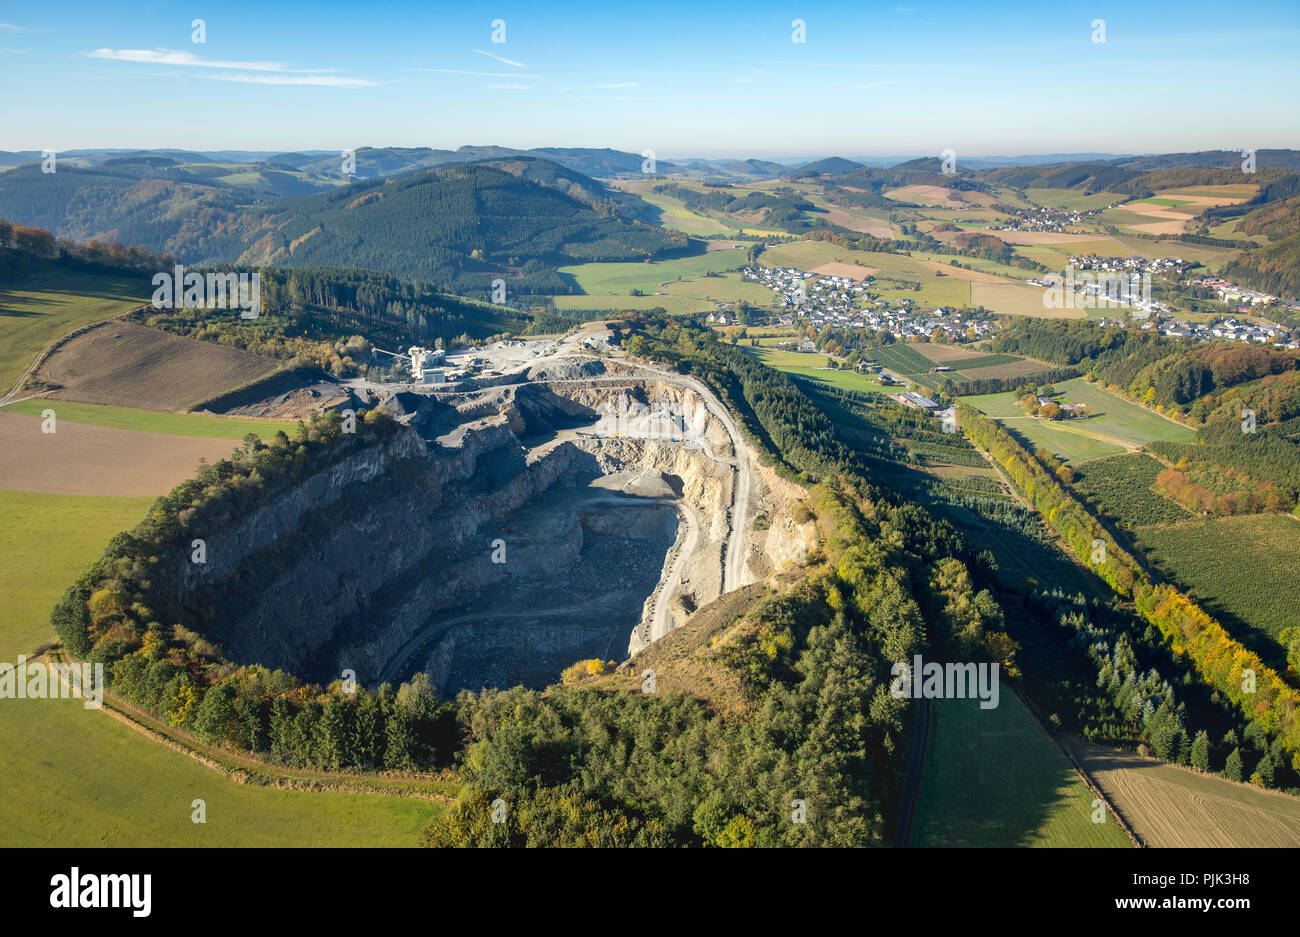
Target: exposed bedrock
x=492, y=542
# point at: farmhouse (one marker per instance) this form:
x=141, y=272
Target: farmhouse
x=914, y=399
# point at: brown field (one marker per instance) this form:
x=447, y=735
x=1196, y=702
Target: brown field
x=1015, y=300
x=1171, y=806
x=1014, y=369
x=834, y=268
x=925, y=193
x=946, y=354
x=1041, y=237
x=82, y=459
x=710, y=246
x=962, y=273
x=1173, y=219
x=124, y=364
x=864, y=224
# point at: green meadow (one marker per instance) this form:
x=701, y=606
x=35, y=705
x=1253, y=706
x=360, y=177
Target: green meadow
x=1016, y=788
x=78, y=777
x=617, y=278
x=37, y=310
x=813, y=366
x=208, y=426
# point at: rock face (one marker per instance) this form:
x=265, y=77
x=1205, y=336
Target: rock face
x=491, y=542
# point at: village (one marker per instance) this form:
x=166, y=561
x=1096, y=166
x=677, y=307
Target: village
x=845, y=303
x=1047, y=218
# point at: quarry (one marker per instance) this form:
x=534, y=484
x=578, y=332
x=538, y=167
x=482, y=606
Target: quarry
x=570, y=506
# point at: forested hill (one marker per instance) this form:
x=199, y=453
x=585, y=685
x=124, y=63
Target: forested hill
x=456, y=227
x=192, y=221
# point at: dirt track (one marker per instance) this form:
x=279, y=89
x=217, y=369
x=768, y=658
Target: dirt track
x=80, y=459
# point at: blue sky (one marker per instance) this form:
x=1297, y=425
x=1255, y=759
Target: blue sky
x=712, y=79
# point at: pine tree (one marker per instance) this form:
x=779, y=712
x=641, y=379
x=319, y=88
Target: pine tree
x=1201, y=751
x=1232, y=767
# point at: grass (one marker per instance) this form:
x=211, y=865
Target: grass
x=45, y=541
x=1067, y=442
x=1244, y=568
x=202, y=425
x=1113, y=425
x=814, y=367
x=1073, y=198
x=673, y=305
x=76, y=777
x=39, y=309
x=676, y=216
x=1122, y=419
x=594, y=278
x=1015, y=788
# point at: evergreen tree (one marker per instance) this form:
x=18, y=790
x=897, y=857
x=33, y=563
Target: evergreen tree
x=1232, y=767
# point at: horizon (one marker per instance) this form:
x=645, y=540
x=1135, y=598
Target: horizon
x=909, y=80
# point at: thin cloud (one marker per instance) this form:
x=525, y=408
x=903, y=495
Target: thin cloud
x=461, y=71
x=322, y=81
x=10, y=27
x=501, y=60
x=189, y=59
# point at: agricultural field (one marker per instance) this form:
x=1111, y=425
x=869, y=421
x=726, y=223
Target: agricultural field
x=677, y=217
x=86, y=459
x=916, y=360
x=85, y=778
x=1073, y=198
x=1016, y=788
x=814, y=366
x=1243, y=569
x=614, y=302
x=124, y=364
x=1113, y=426
x=621, y=278
x=904, y=360
x=1170, y=806
x=727, y=288
x=1120, y=487
x=39, y=309
x=1115, y=417
x=1018, y=300
x=203, y=425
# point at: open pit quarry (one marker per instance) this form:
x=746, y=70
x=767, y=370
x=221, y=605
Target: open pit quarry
x=578, y=508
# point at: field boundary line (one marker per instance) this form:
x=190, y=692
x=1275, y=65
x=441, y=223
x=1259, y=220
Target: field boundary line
x=1082, y=772
x=54, y=345
x=117, y=710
